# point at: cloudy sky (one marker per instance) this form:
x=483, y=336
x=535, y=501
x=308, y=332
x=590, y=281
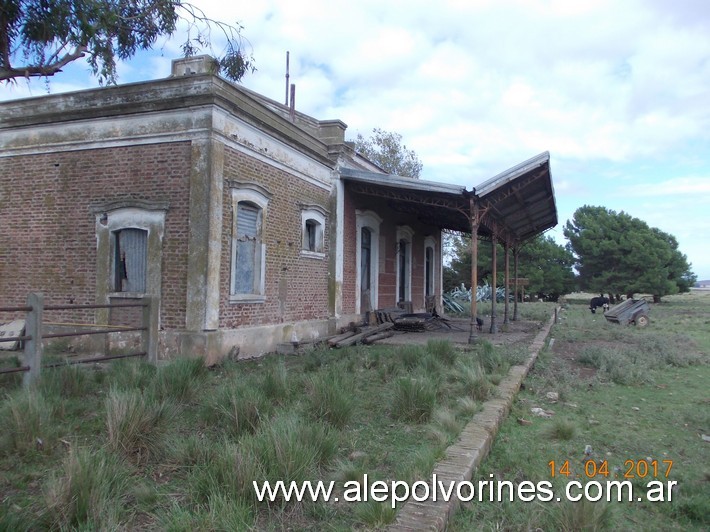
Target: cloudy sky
x=617, y=92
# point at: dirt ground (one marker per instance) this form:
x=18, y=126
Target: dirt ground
x=515, y=332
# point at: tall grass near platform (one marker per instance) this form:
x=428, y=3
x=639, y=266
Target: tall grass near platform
x=136, y=424
x=90, y=491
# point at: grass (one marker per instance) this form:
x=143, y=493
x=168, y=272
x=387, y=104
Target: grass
x=414, y=399
x=331, y=398
x=628, y=394
x=343, y=414
x=90, y=491
x=191, y=439
x=136, y=424
x=28, y=423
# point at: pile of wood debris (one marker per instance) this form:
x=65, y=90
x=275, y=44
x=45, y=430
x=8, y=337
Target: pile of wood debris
x=389, y=323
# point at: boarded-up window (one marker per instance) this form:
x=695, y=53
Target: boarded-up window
x=130, y=260
x=247, y=266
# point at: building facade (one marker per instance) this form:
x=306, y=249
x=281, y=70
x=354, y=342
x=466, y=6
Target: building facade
x=248, y=222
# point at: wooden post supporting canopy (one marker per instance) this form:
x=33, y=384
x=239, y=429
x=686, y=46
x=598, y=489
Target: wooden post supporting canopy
x=494, y=282
x=506, y=318
x=515, y=273
x=473, y=334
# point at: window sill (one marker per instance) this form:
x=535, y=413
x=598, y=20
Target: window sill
x=246, y=298
x=127, y=295
x=317, y=255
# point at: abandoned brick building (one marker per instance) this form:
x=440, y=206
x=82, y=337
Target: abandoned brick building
x=251, y=224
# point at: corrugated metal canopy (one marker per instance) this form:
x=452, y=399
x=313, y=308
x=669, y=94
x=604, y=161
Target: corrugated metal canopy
x=515, y=205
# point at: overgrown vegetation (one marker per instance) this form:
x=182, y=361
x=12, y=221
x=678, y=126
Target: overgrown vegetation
x=177, y=447
x=622, y=394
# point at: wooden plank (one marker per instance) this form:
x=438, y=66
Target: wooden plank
x=359, y=337
x=379, y=336
x=335, y=339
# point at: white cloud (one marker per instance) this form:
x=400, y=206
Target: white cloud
x=618, y=92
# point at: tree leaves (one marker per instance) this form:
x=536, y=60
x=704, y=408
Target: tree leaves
x=386, y=150
x=47, y=35
x=619, y=254
x=546, y=264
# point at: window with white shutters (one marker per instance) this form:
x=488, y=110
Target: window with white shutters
x=248, y=248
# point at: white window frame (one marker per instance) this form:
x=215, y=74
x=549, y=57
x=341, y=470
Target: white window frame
x=430, y=242
x=372, y=221
x=316, y=215
x=259, y=197
x=111, y=220
x=406, y=233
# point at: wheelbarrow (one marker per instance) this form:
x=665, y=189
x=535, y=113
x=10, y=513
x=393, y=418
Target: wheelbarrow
x=630, y=311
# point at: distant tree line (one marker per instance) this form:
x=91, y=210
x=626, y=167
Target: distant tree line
x=546, y=265
x=612, y=253
x=619, y=254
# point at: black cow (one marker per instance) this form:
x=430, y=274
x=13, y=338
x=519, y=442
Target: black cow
x=600, y=301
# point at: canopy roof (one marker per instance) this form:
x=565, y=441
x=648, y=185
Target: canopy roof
x=515, y=205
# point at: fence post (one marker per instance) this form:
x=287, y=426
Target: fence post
x=151, y=318
x=33, y=347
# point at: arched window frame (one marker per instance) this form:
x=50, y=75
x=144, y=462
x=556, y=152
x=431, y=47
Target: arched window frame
x=256, y=196
x=431, y=243
x=119, y=215
x=404, y=234
x=313, y=219
x=372, y=221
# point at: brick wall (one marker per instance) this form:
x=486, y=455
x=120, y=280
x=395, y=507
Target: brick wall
x=296, y=287
x=387, y=252
x=47, y=230
x=349, y=254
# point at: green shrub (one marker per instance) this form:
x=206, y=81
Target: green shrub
x=489, y=357
x=421, y=463
x=237, y=409
x=375, y=515
x=291, y=448
x=27, y=422
x=431, y=365
x=131, y=374
x=414, y=399
x=313, y=361
x=90, y=493
x=349, y=471
x=10, y=381
x=65, y=381
x=442, y=350
x=410, y=356
x=275, y=383
x=581, y=515
x=180, y=379
x=467, y=406
x=471, y=380
x=225, y=469
x=561, y=430
x=331, y=398
x=136, y=424
x=594, y=356
x=445, y=419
